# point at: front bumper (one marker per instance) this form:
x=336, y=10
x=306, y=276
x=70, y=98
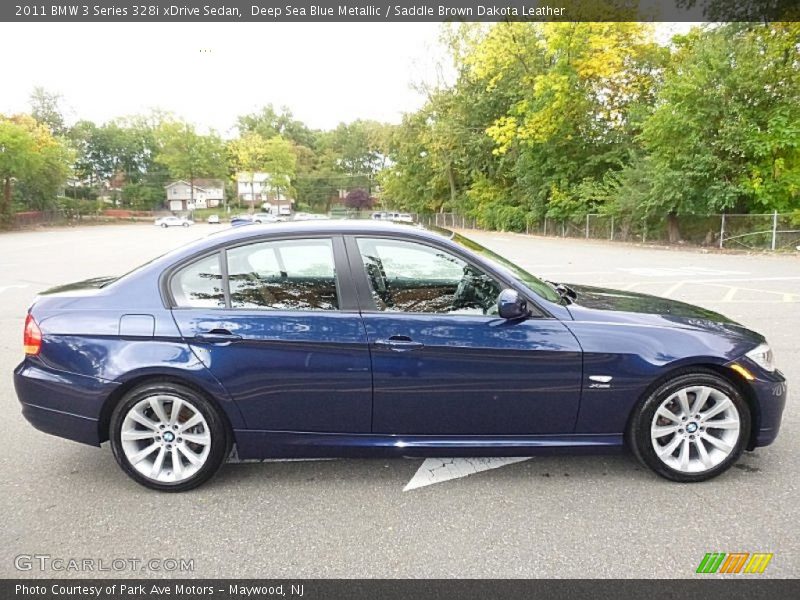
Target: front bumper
x=770, y=390
x=61, y=403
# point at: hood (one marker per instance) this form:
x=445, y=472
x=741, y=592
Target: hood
x=604, y=304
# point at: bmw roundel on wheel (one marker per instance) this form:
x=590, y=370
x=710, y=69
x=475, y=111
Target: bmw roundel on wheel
x=329, y=339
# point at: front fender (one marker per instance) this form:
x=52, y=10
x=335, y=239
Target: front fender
x=634, y=356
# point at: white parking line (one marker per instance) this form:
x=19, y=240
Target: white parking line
x=673, y=289
x=670, y=271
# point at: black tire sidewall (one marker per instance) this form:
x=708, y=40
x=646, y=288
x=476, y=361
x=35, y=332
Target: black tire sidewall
x=640, y=425
x=220, y=437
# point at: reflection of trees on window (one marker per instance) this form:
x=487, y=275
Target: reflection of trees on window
x=199, y=284
x=412, y=277
x=250, y=291
x=286, y=275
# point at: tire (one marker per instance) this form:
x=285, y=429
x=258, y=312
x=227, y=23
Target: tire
x=185, y=224
x=164, y=225
x=168, y=460
x=677, y=444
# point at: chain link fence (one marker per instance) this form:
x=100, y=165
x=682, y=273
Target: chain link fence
x=772, y=231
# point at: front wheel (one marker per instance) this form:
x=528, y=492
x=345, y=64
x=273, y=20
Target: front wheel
x=692, y=428
x=168, y=437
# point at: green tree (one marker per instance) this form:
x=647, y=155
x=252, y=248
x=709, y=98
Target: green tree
x=31, y=158
x=539, y=113
x=726, y=131
x=46, y=108
x=252, y=153
x=269, y=123
x=189, y=155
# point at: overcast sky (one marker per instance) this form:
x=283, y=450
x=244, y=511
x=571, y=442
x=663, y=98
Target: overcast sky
x=209, y=73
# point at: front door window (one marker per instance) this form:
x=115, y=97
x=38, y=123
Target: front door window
x=411, y=277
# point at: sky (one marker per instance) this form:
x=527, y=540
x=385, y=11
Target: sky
x=208, y=73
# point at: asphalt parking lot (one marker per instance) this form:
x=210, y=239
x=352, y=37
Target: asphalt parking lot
x=601, y=516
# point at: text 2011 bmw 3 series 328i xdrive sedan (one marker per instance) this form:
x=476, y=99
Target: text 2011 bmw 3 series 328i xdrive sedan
x=323, y=339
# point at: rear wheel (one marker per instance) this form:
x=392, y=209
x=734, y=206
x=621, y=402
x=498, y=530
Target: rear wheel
x=164, y=225
x=692, y=428
x=168, y=437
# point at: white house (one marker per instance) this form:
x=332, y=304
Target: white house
x=258, y=189
x=207, y=193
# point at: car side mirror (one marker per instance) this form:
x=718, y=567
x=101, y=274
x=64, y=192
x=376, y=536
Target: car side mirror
x=510, y=305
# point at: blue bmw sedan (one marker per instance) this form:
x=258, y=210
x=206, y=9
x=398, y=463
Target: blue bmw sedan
x=326, y=339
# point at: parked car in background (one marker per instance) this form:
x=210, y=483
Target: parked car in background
x=355, y=338
x=392, y=216
x=213, y=220
x=173, y=221
x=263, y=217
x=303, y=216
x=243, y=219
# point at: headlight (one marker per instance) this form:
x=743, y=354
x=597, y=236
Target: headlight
x=762, y=356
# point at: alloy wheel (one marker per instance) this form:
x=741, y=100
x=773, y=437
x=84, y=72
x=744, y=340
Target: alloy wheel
x=165, y=438
x=695, y=429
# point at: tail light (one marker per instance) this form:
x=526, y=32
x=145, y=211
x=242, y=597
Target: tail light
x=32, y=339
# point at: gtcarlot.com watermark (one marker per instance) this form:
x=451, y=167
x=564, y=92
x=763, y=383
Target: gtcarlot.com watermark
x=60, y=564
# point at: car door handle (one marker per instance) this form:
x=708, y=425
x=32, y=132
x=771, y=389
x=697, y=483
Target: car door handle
x=217, y=336
x=399, y=343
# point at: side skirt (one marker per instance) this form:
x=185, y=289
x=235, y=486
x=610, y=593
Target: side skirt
x=300, y=444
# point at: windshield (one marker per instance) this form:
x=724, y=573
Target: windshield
x=531, y=281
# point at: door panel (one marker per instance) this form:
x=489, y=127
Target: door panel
x=473, y=375
x=443, y=363
x=289, y=371
x=275, y=322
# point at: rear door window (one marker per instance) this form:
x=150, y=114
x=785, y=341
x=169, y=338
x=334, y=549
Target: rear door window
x=283, y=275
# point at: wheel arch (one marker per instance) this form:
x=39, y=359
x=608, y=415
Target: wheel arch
x=720, y=370
x=104, y=422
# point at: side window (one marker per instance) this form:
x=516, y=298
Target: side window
x=414, y=277
x=283, y=275
x=199, y=284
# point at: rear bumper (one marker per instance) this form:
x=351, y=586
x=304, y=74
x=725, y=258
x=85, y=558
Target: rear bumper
x=66, y=425
x=61, y=403
x=771, y=394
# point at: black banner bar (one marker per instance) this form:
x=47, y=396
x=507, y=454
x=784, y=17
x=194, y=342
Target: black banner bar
x=706, y=587
x=397, y=11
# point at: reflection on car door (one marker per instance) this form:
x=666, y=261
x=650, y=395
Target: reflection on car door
x=444, y=363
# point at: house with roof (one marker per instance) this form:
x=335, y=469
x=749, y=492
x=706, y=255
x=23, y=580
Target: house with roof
x=258, y=189
x=201, y=193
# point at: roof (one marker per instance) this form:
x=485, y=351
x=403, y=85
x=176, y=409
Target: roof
x=320, y=227
x=200, y=183
x=317, y=227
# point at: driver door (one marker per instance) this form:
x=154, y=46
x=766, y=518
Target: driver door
x=444, y=363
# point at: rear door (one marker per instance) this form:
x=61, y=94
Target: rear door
x=276, y=322
x=443, y=362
